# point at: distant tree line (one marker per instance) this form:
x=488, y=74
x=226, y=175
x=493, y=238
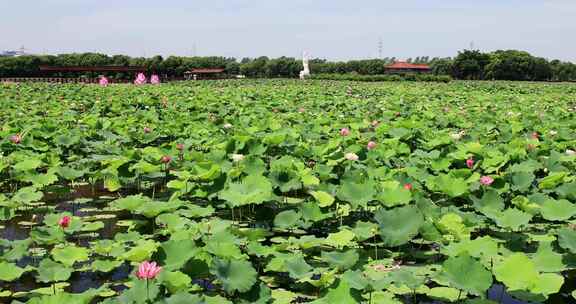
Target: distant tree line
x=504, y=65
x=468, y=64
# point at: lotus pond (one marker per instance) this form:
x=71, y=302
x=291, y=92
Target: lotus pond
x=283, y=191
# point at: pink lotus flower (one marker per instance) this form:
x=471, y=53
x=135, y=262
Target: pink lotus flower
x=147, y=130
x=301, y=110
x=166, y=159
x=351, y=156
x=103, y=81
x=16, y=139
x=371, y=145
x=154, y=79
x=535, y=135
x=180, y=147
x=140, y=79
x=64, y=222
x=344, y=131
x=486, y=180
x=470, y=163
x=148, y=270
x=408, y=186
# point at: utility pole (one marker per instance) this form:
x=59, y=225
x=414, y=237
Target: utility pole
x=380, y=47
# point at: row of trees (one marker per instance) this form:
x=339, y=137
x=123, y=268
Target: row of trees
x=175, y=66
x=504, y=65
x=468, y=64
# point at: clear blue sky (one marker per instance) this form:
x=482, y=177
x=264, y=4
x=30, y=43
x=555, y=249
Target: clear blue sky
x=334, y=29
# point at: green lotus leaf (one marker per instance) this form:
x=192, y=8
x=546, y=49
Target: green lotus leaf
x=341, y=260
x=466, y=273
x=399, y=225
x=357, y=193
x=491, y=203
x=385, y=297
x=140, y=292
x=178, y=253
x=130, y=203
x=547, y=260
x=282, y=296
x=142, y=250
x=112, y=183
x=70, y=254
x=92, y=226
x=517, y=272
x=484, y=248
x=365, y=230
x=552, y=180
x=340, y=239
x=105, y=265
x=407, y=277
x=445, y=294
x=28, y=164
x=522, y=180
x=70, y=173
x=452, y=224
x=356, y=279
x=27, y=195
x=185, y=298
x=10, y=272
x=235, y=275
x=558, y=210
x=567, y=190
x=393, y=194
x=18, y=250
x=339, y=294
x=567, y=239
x=452, y=186
x=547, y=284
x=175, y=281
x=287, y=219
x=151, y=209
x=297, y=267
x=324, y=199
x=68, y=298
x=41, y=180
x=50, y=271
x=254, y=189
x=512, y=218
x=223, y=244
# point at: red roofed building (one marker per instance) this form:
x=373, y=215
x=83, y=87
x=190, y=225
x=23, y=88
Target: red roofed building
x=405, y=67
x=210, y=73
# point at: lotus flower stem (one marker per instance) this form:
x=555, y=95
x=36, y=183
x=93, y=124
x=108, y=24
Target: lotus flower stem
x=375, y=247
x=147, y=292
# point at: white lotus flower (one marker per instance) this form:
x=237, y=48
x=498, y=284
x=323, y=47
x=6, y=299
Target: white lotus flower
x=351, y=156
x=570, y=152
x=227, y=126
x=457, y=136
x=237, y=157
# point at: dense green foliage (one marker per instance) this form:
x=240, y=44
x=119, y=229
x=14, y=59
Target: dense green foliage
x=505, y=65
x=276, y=196
x=499, y=65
